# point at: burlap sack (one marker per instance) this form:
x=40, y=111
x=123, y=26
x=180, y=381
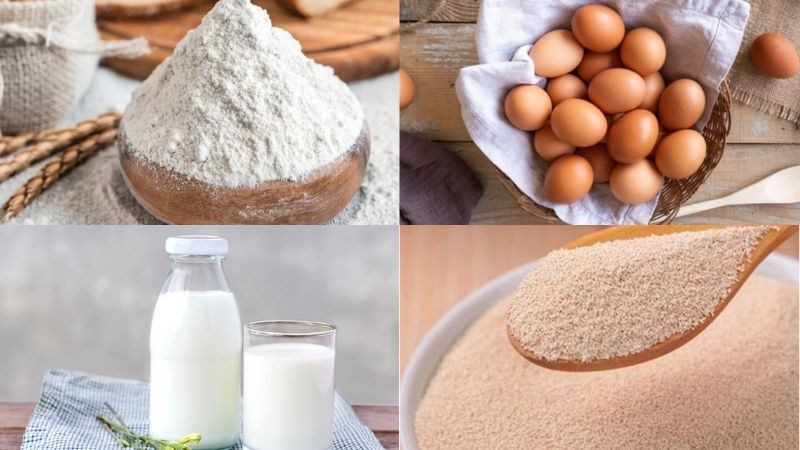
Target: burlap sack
x=49, y=50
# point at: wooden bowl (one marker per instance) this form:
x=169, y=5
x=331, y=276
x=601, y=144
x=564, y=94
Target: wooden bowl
x=175, y=198
x=674, y=193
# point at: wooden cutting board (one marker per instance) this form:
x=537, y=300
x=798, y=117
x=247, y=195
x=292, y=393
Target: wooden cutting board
x=359, y=40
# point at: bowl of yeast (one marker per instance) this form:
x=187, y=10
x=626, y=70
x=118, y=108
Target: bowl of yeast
x=175, y=198
x=447, y=331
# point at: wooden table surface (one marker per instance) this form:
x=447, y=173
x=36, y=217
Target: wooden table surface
x=440, y=265
x=758, y=145
x=382, y=420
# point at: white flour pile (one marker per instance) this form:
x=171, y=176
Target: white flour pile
x=616, y=298
x=94, y=193
x=735, y=386
x=238, y=104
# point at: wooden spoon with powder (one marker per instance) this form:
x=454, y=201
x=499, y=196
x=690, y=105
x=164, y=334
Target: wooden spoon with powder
x=629, y=294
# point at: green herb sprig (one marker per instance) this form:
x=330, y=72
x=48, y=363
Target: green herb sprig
x=127, y=438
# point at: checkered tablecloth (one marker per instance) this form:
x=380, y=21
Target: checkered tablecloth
x=64, y=418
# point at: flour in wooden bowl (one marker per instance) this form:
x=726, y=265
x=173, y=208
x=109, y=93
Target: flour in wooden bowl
x=238, y=104
x=735, y=386
x=621, y=297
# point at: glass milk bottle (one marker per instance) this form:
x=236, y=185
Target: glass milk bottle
x=195, y=348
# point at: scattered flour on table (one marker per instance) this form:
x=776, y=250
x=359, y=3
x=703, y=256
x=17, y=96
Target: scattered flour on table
x=616, y=298
x=238, y=104
x=735, y=386
x=95, y=193
x=378, y=199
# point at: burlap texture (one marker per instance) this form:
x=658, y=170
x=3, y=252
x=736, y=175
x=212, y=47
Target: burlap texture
x=778, y=97
x=42, y=81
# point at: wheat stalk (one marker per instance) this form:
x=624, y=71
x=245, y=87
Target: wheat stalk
x=55, y=169
x=55, y=141
x=10, y=144
x=127, y=438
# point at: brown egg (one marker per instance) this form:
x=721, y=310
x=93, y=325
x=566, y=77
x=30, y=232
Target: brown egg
x=568, y=179
x=578, y=123
x=598, y=28
x=527, y=107
x=594, y=63
x=681, y=104
x=564, y=87
x=635, y=183
x=632, y=136
x=616, y=90
x=600, y=160
x=556, y=53
x=680, y=154
x=548, y=146
x=774, y=55
x=643, y=51
x=407, y=90
x=653, y=86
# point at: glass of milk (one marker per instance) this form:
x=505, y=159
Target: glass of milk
x=288, y=385
x=196, y=347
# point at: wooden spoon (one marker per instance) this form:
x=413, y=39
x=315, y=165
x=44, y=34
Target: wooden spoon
x=177, y=199
x=769, y=241
x=782, y=187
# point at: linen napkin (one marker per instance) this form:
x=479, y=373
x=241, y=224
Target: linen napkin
x=436, y=186
x=64, y=418
x=702, y=37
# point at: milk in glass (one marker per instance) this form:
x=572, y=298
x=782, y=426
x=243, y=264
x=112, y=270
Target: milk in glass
x=288, y=394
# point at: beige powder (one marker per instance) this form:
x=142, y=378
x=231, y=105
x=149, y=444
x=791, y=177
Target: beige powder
x=238, y=103
x=735, y=386
x=620, y=297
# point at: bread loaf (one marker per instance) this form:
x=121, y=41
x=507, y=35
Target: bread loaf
x=311, y=8
x=125, y=9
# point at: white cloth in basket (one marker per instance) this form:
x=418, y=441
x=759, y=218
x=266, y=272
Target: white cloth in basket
x=702, y=37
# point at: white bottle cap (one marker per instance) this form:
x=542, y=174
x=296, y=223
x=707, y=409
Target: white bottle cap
x=196, y=245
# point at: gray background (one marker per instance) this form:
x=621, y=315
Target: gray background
x=82, y=297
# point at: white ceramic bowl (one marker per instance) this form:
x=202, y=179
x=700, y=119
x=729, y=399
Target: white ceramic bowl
x=430, y=351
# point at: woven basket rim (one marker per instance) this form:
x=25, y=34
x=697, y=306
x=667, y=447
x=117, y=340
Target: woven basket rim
x=674, y=193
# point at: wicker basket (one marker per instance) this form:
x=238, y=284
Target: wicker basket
x=675, y=192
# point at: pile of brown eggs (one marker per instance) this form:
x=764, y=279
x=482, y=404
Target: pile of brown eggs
x=606, y=115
